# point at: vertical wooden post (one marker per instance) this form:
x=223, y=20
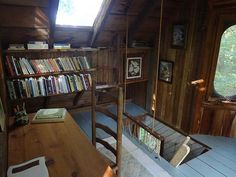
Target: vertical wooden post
x=119, y=129
x=93, y=102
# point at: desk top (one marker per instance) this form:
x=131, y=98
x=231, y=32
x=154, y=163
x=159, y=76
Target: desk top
x=65, y=143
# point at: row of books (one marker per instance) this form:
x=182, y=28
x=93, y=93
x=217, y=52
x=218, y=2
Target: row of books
x=149, y=140
x=52, y=85
x=24, y=66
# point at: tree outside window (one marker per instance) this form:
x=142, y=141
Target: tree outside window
x=225, y=76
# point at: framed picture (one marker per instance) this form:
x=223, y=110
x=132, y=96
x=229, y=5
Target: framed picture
x=166, y=71
x=179, y=35
x=134, y=67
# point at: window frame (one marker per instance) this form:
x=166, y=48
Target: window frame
x=215, y=93
x=224, y=22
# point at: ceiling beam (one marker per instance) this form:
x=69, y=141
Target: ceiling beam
x=134, y=27
x=53, y=6
x=100, y=20
x=126, y=7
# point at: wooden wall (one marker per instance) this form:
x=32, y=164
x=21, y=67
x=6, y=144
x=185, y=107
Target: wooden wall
x=174, y=104
x=178, y=103
x=211, y=116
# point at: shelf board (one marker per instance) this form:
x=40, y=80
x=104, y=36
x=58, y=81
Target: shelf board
x=52, y=74
x=52, y=50
x=136, y=81
x=106, y=86
x=60, y=94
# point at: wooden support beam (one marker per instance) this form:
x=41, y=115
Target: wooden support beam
x=100, y=20
x=53, y=7
x=133, y=28
x=119, y=130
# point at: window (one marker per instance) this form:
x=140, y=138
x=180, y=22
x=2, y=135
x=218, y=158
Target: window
x=78, y=12
x=225, y=76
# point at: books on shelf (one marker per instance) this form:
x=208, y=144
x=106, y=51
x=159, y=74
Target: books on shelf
x=24, y=66
x=16, y=47
x=149, y=140
x=37, y=45
x=61, y=46
x=50, y=115
x=46, y=86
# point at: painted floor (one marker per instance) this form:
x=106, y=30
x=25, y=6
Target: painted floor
x=219, y=161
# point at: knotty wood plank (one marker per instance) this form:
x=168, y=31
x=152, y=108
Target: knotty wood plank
x=27, y=17
x=64, y=142
x=100, y=20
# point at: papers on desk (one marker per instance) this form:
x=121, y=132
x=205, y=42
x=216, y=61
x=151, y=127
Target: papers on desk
x=50, y=115
x=32, y=168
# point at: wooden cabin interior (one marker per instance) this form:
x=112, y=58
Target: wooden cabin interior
x=174, y=61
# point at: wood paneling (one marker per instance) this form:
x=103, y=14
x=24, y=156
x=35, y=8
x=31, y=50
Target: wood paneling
x=36, y=3
x=216, y=120
x=33, y=17
x=174, y=100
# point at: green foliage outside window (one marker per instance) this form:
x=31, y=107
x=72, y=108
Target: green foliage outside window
x=225, y=76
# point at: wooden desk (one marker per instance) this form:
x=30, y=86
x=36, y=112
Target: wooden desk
x=64, y=142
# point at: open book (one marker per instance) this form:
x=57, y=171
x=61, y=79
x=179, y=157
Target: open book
x=50, y=115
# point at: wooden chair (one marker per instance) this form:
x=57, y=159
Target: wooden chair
x=116, y=135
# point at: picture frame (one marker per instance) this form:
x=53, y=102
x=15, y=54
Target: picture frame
x=134, y=68
x=166, y=71
x=179, y=36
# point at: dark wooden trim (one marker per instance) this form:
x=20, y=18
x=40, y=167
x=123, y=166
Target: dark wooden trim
x=53, y=7
x=134, y=119
x=134, y=27
x=154, y=133
x=24, y=27
x=93, y=100
x=106, y=112
x=100, y=20
x=106, y=145
x=77, y=97
x=106, y=129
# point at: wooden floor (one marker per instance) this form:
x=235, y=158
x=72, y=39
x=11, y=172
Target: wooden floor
x=219, y=161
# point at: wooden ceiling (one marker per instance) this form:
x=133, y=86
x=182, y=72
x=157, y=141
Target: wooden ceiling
x=25, y=20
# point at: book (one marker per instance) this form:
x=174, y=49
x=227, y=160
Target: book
x=50, y=115
x=16, y=47
x=37, y=46
x=35, y=167
x=61, y=46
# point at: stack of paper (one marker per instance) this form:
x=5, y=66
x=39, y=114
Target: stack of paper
x=50, y=115
x=31, y=168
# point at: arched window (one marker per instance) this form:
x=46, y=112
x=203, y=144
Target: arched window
x=225, y=76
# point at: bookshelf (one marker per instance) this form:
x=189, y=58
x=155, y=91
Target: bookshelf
x=40, y=75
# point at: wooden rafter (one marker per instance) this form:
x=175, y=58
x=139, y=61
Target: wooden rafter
x=100, y=20
x=133, y=28
x=53, y=6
